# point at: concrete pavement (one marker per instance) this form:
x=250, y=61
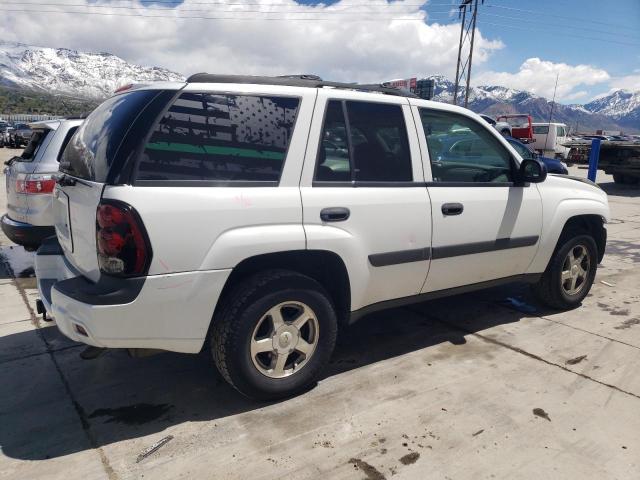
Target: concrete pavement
x=484, y=385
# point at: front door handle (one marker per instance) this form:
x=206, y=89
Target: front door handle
x=452, y=208
x=334, y=214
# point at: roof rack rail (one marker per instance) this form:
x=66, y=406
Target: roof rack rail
x=303, y=76
x=80, y=116
x=310, y=81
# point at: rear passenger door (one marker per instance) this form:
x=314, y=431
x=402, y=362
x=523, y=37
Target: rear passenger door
x=485, y=226
x=363, y=194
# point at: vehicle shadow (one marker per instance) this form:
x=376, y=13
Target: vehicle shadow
x=618, y=190
x=15, y=262
x=53, y=403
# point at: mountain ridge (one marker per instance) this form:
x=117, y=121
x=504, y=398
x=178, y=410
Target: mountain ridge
x=619, y=110
x=94, y=76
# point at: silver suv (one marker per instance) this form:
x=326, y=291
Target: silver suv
x=30, y=183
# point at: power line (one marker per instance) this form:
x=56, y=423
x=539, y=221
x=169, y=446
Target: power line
x=568, y=17
x=266, y=15
x=312, y=9
x=268, y=4
x=557, y=25
x=564, y=26
x=603, y=40
x=199, y=17
x=169, y=9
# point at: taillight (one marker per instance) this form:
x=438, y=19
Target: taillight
x=35, y=184
x=121, y=240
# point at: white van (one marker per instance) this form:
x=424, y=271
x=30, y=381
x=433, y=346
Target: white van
x=548, y=139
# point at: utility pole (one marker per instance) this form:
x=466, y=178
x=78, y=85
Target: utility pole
x=468, y=13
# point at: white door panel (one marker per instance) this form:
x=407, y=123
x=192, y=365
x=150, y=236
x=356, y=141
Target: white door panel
x=382, y=221
x=496, y=235
x=501, y=224
x=385, y=240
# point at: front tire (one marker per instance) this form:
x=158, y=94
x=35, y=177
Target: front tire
x=273, y=334
x=570, y=273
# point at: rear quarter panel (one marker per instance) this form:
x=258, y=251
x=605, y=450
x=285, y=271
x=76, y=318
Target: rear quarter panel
x=216, y=227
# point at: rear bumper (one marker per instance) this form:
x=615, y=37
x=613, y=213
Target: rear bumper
x=25, y=233
x=166, y=312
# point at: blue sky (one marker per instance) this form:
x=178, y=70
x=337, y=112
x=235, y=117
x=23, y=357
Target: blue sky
x=601, y=33
x=593, y=46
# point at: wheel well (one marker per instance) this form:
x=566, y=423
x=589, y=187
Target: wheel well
x=591, y=224
x=327, y=268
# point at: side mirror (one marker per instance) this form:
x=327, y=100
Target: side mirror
x=532, y=171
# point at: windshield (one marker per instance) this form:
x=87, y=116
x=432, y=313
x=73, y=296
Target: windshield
x=91, y=150
x=36, y=140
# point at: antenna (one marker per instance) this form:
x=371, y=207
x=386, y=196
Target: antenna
x=553, y=102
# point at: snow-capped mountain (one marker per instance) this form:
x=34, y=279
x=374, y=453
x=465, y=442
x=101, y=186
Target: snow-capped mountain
x=619, y=110
x=622, y=105
x=95, y=76
x=69, y=72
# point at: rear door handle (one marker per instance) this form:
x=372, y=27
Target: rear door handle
x=452, y=208
x=334, y=214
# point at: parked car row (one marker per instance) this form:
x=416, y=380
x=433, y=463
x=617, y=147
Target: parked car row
x=14, y=135
x=525, y=136
x=259, y=215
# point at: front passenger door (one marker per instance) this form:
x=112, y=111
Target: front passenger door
x=484, y=226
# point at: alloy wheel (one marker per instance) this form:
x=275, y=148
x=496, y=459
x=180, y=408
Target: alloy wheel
x=575, y=270
x=284, y=340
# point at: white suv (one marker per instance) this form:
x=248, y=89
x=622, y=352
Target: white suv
x=262, y=214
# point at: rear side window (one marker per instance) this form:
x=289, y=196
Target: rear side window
x=370, y=144
x=541, y=129
x=92, y=150
x=37, y=138
x=220, y=137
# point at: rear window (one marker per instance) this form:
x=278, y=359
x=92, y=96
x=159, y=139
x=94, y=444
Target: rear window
x=221, y=138
x=543, y=129
x=92, y=149
x=36, y=140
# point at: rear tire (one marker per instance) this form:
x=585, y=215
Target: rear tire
x=273, y=334
x=570, y=273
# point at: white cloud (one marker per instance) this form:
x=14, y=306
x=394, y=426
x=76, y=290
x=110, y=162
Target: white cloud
x=627, y=82
x=581, y=94
x=539, y=76
x=350, y=40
